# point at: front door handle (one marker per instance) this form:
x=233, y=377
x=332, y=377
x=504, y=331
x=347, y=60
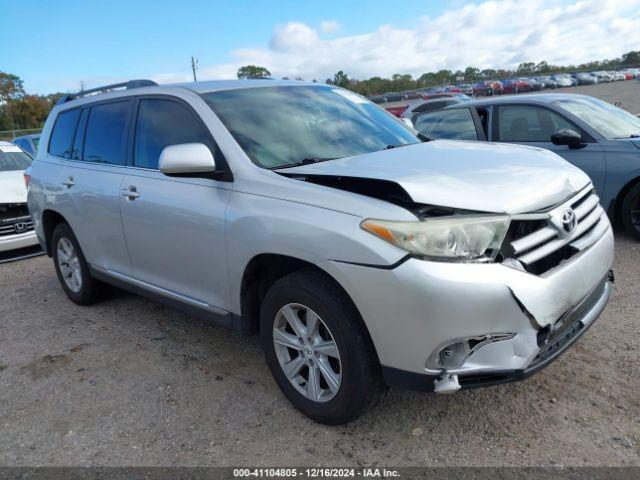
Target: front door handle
x=69, y=182
x=131, y=193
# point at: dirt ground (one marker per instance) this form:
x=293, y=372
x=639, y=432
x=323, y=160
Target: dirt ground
x=131, y=382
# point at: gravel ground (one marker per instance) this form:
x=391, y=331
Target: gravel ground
x=131, y=382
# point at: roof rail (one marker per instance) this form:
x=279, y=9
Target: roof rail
x=107, y=88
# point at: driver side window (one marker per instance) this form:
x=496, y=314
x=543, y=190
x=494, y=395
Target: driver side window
x=527, y=123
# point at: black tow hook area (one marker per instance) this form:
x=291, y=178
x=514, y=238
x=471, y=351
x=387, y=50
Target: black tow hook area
x=611, y=277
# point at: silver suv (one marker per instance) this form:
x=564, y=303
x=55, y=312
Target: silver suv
x=361, y=252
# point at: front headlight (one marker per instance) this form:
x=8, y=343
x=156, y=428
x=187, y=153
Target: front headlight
x=452, y=239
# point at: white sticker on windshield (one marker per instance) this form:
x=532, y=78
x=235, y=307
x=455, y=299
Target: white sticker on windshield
x=10, y=149
x=349, y=96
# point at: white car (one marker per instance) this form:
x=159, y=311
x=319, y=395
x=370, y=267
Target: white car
x=16, y=226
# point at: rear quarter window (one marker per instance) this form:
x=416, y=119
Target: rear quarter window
x=62, y=134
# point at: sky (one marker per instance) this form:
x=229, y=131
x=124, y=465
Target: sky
x=55, y=46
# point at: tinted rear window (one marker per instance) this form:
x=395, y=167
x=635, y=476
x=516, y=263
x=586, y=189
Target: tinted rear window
x=62, y=134
x=105, y=135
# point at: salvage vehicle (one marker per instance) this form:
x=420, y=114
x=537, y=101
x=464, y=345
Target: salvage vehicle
x=17, y=236
x=600, y=138
x=361, y=252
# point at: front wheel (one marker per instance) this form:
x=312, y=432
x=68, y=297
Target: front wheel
x=318, y=349
x=631, y=211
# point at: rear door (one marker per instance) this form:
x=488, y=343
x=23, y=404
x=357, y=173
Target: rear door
x=534, y=124
x=93, y=169
x=174, y=226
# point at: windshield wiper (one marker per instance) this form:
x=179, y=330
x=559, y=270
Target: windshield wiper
x=304, y=161
x=633, y=135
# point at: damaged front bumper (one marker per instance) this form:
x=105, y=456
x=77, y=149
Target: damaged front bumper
x=516, y=323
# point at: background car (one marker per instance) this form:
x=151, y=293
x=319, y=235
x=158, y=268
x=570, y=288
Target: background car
x=601, y=139
x=602, y=76
x=17, y=236
x=618, y=76
x=562, y=80
x=515, y=85
x=29, y=143
x=488, y=88
x=536, y=85
x=586, y=79
x=466, y=88
x=416, y=108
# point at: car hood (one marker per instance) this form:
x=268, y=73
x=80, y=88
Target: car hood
x=478, y=176
x=12, y=189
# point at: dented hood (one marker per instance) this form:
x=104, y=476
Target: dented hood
x=487, y=177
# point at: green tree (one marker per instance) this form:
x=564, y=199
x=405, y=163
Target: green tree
x=340, y=79
x=10, y=87
x=253, y=71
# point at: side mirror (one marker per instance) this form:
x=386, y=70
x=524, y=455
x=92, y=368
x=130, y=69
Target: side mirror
x=186, y=158
x=407, y=122
x=567, y=136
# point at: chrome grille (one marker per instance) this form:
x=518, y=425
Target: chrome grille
x=15, y=219
x=540, y=241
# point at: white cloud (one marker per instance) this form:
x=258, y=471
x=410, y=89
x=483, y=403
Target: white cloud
x=491, y=34
x=329, y=26
x=293, y=37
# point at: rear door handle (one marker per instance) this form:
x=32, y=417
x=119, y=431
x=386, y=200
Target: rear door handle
x=130, y=193
x=69, y=182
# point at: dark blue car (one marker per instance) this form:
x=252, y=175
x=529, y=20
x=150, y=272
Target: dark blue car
x=597, y=137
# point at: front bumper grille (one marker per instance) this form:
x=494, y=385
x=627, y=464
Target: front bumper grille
x=540, y=241
x=14, y=219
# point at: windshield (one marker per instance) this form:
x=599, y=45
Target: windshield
x=286, y=125
x=609, y=121
x=13, y=158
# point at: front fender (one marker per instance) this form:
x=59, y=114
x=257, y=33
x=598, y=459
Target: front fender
x=258, y=225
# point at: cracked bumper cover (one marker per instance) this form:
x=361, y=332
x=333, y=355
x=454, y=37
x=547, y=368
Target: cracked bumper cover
x=415, y=308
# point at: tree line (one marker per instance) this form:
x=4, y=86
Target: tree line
x=20, y=110
x=402, y=82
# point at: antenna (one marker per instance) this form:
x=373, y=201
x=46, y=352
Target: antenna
x=194, y=65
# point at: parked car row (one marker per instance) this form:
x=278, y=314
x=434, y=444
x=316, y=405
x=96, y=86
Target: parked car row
x=489, y=88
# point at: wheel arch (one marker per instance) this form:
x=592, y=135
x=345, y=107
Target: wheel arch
x=50, y=219
x=615, y=209
x=262, y=271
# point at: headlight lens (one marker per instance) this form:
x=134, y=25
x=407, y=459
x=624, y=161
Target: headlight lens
x=453, y=239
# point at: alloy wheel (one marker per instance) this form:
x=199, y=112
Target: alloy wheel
x=307, y=352
x=69, y=264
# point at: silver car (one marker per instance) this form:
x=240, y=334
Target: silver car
x=361, y=252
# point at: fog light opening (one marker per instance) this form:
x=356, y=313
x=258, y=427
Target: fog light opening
x=454, y=353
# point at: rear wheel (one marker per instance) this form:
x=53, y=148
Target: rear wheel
x=318, y=349
x=72, y=268
x=631, y=211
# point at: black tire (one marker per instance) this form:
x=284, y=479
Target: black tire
x=90, y=290
x=361, y=382
x=630, y=211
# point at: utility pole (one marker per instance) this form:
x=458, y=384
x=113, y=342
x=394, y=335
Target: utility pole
x=194, y=65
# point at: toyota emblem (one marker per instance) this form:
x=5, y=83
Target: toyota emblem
x=20, y=227
x=569, y=221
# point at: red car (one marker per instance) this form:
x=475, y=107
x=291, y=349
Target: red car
x=487, y=88
x=515, y=86
x=397, y=111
